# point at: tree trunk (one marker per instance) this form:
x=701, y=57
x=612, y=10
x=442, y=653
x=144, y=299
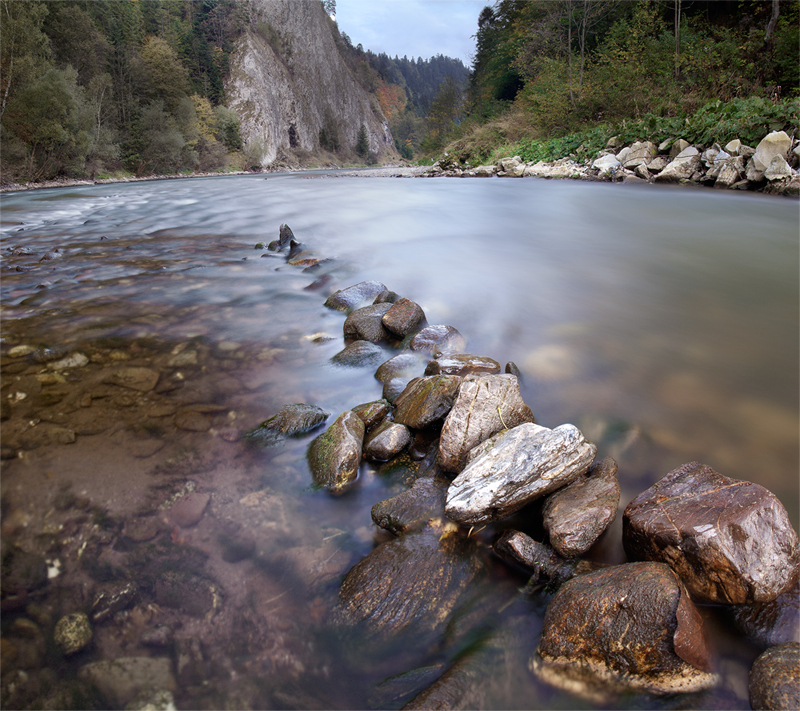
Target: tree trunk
x=677, y=37
x=776, y=9
x=569, y=54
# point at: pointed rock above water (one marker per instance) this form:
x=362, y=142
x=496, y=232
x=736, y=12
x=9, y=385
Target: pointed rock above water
x=334, y=456
x=485, y=405
x=525, y=463
x=731, y=541
x=576, y=516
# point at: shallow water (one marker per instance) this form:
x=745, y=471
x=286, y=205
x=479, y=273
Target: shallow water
x=663, y=322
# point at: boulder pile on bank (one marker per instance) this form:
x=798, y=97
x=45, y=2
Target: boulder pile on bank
x=771, y=166
x=474, y=455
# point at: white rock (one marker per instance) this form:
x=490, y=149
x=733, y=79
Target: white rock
x=607, y=164
x=733, y=147
x=678, y=147
x=525, y=463
x=778, y=168
x=683, y=167
x=73, y=360
x=774, y=144
x=640, y=153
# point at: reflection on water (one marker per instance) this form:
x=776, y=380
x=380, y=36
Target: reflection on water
x=662, y=322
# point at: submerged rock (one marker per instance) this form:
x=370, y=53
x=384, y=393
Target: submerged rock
x=354, y=296
x=730, y=541
x=576, y=516
x=22, y=572
x=426, y=400
x=775, y=679
x=410, y=584
x=122, y=680
x=334, y=456
x=629, y=626
x=72, y=633
x=524, y=464
x=134, y=378
x=359, y=354
x=485, y=405
x=438, y=338
x=292, y=420
x=462, y=364
x=412, y=509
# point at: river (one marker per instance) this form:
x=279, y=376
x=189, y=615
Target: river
x=662, y=321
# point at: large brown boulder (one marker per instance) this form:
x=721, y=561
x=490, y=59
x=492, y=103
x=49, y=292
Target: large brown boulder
x=404, y=317
x=576, y=516
x=334, y=456
x=523, y=464
x=426, y=401
x=730, y=541
x=485, y=405
x=629, y=626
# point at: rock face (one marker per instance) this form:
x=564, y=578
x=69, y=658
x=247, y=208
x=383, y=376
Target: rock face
x=334, y=456
x=524, y=464
x=630, y=625
x=288, y=81
x=577, y=515
x=775, y=678
x=730, y=541
x=485, y=405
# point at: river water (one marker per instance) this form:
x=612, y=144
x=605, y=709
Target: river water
x=662, y=322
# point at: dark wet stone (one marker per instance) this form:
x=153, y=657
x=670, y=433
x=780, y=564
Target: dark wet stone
x=192, y=421
x=426, y=401
x=436, y=339
x=143, y=529
x=386, y=440
x=393, y=387
x=411, y=510
x=771, y=623
x=189, y=593
x=112, y=599
x=730, y=541
x=371, y=413
x=236, y=546
x=542, y=560
x=512, y=369
x=485, y=405
x=354, y=296
x=462, y=364
x=22, y=572
x=45, y=435
x=295, y=248
x=404, y=317
x=188, y=511
x=134, y=378
x=410, y=584
x=775, y=679
x=297, y=419
x=359, y=354
x=365, y=324
x=525, y=463
x=386, y=297
x=630, y=625
x=46, y=355
x=403, y=364
x=334, y=456
x=576, y=516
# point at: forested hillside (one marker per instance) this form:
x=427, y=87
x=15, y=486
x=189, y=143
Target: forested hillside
x=545, y=69
x=94, y=88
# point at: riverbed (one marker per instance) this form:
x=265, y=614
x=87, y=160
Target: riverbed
x=663, y=322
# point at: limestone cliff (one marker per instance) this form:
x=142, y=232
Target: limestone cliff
x=288, y=82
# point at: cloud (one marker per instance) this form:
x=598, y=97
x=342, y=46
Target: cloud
x=414, y=28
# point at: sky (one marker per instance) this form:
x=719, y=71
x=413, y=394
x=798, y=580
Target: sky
x=414, y=28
